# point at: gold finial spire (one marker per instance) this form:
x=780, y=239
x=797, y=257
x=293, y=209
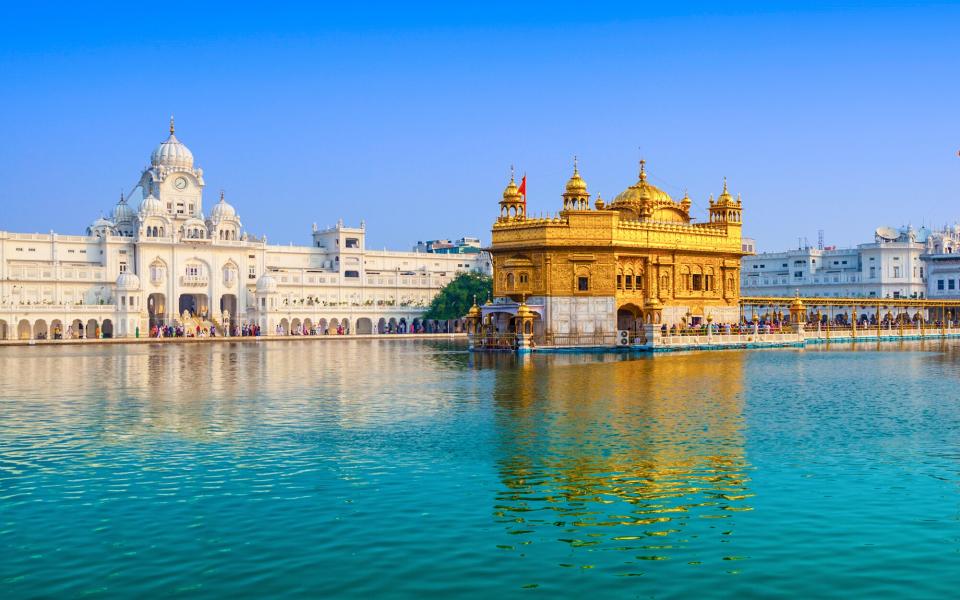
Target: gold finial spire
x=171, y=125
x=643, y=169
x=725, y=185
x=511, y=173
x=575, y=164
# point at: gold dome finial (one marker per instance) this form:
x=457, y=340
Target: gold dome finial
x=643, y=169
x=511, y=173
x=725, y=185
x=171, y=125
x=575, y=164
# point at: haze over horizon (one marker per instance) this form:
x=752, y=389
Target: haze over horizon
x=823, y=115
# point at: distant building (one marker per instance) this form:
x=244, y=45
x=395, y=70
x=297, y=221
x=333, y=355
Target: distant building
x=465, y=245
x=897, y=264
x=943, y=263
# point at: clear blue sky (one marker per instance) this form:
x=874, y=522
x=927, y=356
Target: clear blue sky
x=823, y=115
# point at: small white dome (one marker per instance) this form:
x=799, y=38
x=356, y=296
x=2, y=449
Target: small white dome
x=128, y=281
x=267, y=284
x=122, y=212
x=172, y=153
x=222, y=210
x=100, y=223
x=151, y=206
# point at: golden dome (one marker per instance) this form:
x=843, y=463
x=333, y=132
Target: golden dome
x=511, y=193
x=725, y=197
x=642, y=191
x=524, y=311
x=576, y=185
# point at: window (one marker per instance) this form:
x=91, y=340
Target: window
x=896, y=272
x=798, y=273
x=951, y=284
x=619, y=282
x=252, y=272
x=940, y=284
x=123, y=267
x=629, y=282
x=524, y=278
x=351, y=274
x=156, y=273
x=353, y=243
x=583, y=284
x=873, y=272
x=697, y=284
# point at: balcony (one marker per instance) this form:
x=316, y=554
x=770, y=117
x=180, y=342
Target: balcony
x=194, y=280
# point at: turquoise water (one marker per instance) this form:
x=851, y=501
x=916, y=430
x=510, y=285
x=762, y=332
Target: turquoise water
x=411, y=469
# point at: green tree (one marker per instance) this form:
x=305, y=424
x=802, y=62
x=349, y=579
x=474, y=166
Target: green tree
x=456, y=298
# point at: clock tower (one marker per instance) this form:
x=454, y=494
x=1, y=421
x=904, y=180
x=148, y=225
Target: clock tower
x=174, y=181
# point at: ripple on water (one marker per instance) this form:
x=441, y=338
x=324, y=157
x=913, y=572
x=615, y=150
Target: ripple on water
x=412, y=468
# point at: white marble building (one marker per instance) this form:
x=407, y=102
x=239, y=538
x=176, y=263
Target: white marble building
x=888, y=267
x=161, y=256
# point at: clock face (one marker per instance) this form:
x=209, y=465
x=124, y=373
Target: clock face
x=181, y=183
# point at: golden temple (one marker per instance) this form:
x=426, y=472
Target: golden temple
x=608, y=267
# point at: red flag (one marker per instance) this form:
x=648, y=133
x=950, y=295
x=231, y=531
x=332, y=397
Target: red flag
x=523, y=191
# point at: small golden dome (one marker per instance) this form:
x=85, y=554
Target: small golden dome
x=511, y=193
x=725, y=197
x=600, y=204
x=576, y=185
x=524, y=311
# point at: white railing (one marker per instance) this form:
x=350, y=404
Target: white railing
x=57, y=308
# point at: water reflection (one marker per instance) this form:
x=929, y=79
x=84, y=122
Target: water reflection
x=639, y=457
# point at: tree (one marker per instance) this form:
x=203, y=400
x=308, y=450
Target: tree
x=456, y=298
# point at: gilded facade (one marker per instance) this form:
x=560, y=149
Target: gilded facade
x=608, y=266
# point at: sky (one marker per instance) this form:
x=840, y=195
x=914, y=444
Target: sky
x=826, y=116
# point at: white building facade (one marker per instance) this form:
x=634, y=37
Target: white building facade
x=161, y=260
x=892, y=266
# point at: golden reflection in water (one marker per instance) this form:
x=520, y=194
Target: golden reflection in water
x=641, y=456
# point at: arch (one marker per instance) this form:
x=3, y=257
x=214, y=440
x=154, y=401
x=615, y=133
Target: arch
x=392, y=325
x=40, y=330
x=284, y=327
x=92, y=329
x=345, y=323
x=4, y=330
x=308, y=326
x=228, y=302
x=156, y=309
x=296, y=327
x=382, y=325
x=106, y=330
x=402, y=326
x=628, y=317
x=322, y=326
x=334, y=325
x=24, y=331
x=364, y=325
x=76, y=329
x=56, y=330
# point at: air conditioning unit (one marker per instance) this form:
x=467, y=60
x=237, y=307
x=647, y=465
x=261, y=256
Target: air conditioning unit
x=623, y=337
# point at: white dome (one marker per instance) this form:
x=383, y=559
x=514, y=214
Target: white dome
x=101, y=222
x=151, y=206
x=128, y=281
x=172, y=153
x=266, y=283
x=122, y=212
x=222, y=210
